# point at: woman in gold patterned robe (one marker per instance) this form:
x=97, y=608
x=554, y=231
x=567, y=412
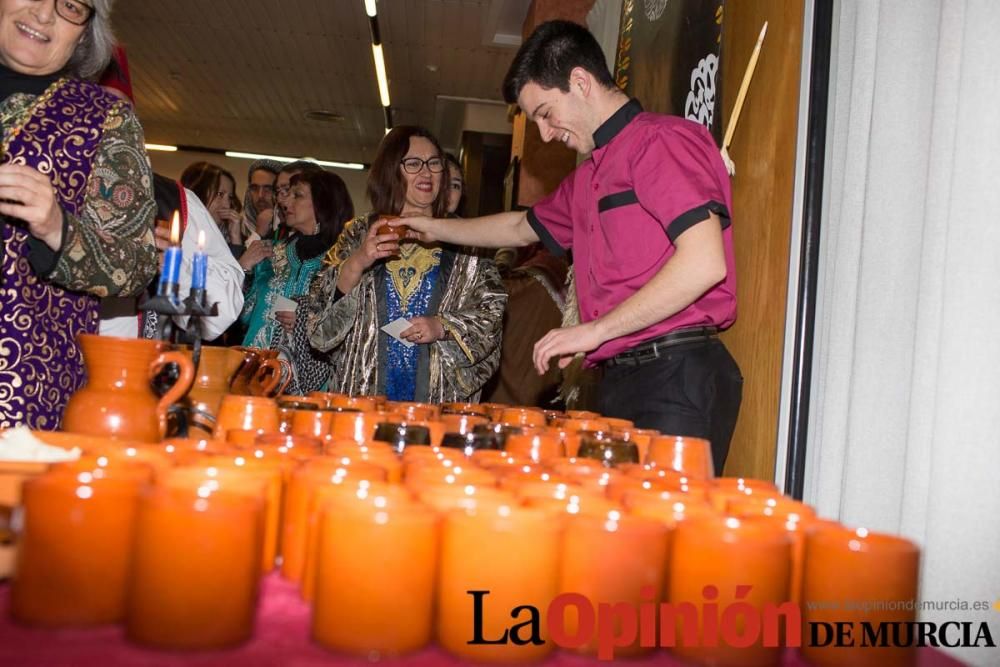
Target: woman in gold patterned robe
x=452, y=300
x=76, y=203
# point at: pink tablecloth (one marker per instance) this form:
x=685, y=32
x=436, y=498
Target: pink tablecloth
x=281, y=639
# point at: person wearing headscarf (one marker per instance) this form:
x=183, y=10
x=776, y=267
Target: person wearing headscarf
x=76, y=201
x=258, y=202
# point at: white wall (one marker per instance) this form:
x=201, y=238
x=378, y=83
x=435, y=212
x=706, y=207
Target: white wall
x=172, y=164
x=904, y=422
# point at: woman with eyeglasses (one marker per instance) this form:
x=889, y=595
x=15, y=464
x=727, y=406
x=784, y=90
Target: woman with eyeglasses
x=451, y=301
x=76, y=200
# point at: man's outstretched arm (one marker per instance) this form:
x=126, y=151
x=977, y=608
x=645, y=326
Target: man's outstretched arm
x=502, y=230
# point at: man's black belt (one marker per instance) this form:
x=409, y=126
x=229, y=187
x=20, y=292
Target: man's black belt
x=653, y=349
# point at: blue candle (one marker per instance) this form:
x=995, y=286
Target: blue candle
x=172, y=257
x=199, y=266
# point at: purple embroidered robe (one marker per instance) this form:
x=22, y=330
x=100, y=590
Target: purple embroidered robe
x=40, y=361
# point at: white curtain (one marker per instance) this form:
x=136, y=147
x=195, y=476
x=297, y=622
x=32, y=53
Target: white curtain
x=905, y=417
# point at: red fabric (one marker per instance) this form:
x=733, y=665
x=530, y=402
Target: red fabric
x=281, y=640
x=117, y=75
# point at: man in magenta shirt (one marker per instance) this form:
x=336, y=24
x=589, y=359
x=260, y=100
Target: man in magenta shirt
x=647, y=218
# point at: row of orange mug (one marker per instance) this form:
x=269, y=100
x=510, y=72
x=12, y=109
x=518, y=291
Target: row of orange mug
x=387, y=547
x=526, y=431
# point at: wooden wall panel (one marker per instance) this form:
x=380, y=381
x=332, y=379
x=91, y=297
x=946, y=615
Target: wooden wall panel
x=763, y=149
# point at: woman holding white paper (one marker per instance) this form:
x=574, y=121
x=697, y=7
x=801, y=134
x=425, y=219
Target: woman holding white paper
x=409, y=321
x=317, y=210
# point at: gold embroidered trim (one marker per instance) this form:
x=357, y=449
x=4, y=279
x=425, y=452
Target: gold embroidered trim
x=22, y=116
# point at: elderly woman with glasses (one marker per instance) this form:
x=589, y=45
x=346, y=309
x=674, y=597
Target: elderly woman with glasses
x=451, y=302
x=76, y=200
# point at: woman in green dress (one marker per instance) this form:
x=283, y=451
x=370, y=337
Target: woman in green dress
x=317, y=209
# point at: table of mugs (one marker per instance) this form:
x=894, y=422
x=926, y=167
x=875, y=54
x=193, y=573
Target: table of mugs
x=347, y=529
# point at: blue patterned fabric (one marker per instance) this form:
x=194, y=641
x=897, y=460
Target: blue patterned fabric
x=401, y=363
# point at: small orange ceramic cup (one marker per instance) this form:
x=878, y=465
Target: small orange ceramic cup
x=75, y=548
x=358, y=426
x=691, y=456
x=462, y=424
x=539, y=447
x=246, y=413
x=375, y=578
x=858, y=576
x=333, y=497
x=726, y=490
x=298, y=496
x=703, y=570
x=466, y=409
x=196, y=568
x=670, y=507
x=510, y=551
x=613, y=559
x=384, y=229
x=257, y=481
x=523, y=417
x=359, y=403
x=446, y=497
x=421, y=476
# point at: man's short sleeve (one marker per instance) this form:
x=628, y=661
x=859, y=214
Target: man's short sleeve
x=680, y=178
x=552, y=218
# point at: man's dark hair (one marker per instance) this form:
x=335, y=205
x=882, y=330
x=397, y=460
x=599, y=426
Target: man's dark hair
x=550, y=54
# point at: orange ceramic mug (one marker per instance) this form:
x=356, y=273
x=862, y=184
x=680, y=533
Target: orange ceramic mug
x=75, y=547
x=859, y=577
x=385, y=229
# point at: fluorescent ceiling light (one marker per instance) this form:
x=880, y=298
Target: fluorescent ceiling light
x=370, y=8
x=383, y=82
x=281, y=158
x=161, y=147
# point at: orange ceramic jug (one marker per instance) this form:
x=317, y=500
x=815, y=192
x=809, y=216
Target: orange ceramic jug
x=117, y=400
x=216, y=369
x=240, y=384
x=272, y=376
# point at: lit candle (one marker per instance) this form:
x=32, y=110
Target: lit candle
x=199, y=267
x=172, y=258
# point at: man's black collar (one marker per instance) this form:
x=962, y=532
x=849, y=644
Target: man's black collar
x=610, y=128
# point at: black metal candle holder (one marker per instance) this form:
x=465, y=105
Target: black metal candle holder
x=166, y=303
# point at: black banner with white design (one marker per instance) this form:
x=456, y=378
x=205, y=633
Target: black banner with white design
x=670, y=58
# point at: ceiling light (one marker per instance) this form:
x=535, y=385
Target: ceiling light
x=383, y=82
x=280, y=158
x=161, y=147
x=370, y=8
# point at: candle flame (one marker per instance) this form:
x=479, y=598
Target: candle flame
x=201, y=240
x=175, y=228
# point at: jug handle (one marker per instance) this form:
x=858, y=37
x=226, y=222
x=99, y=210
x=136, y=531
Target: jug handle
x=265, y=387
x=286, y=374
x=179, y=388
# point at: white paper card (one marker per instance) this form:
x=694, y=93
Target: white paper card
x=283, y=303
x=397, y=327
